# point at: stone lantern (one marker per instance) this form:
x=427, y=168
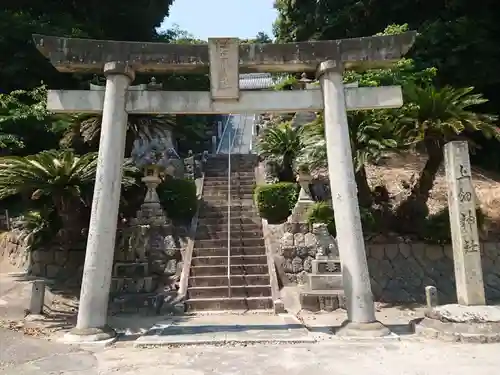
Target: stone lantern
x=156, y=160
x=304, y=82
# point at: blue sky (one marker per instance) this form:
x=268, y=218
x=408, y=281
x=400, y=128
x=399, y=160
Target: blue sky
x=219, y=18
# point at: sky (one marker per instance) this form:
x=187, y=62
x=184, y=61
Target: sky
x=222, y=18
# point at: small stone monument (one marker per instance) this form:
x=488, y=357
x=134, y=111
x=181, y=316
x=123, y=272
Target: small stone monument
x=324, y=288
x=464, y=233
x=470, y=320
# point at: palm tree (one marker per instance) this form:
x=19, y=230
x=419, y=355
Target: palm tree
x=62, y=177
x=87, y=129
x=281, y=144
x=434, y=117
x=371, y=134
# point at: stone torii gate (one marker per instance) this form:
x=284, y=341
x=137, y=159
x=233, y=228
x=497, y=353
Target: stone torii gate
x=224, y=58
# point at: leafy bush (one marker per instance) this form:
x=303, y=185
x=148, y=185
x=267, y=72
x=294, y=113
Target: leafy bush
x=321, y=212
x=276, y=201
x=178, y=198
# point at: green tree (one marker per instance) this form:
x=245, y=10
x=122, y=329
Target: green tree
x=23, y=67
x=434, y=117
x=260, y=38
x=371, y=133
x=87, y=129
x=458, y=37
x=26, y=127
x=62, y=178
x=281, y=144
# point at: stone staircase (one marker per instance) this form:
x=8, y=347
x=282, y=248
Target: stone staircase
x=249, y=274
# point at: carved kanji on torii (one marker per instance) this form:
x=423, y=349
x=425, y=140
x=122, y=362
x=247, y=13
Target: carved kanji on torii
x=224, y=59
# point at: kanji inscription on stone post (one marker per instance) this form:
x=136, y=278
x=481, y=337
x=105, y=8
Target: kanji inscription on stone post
x=465, y=238
x=224, y=64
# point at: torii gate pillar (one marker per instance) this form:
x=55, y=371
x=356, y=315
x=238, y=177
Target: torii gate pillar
x=356, y=279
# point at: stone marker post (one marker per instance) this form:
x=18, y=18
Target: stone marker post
x=356, y=279
x=464, y=234
x=93, y=308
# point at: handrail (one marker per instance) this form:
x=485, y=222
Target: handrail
x=231, y=146
x=223, y=133
x=188, y=252
x=229, y=215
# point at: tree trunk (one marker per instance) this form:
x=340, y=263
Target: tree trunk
x=364, y=191
x=411, y=213
x=287, y=174
x=70, y=214
x=422, y=188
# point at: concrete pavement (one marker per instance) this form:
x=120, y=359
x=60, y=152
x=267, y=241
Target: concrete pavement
x=20, y=355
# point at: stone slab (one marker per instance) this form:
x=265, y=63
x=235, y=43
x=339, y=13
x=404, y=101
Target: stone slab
x=455, y=313
x=458, y=323
x=224, y=75
x=480, y=333
x=219, y=329
x=200, y=102
x=89, y=55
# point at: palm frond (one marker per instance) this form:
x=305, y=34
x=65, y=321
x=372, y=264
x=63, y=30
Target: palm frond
x=52, y=172
x=141, y=127
x=445, y=113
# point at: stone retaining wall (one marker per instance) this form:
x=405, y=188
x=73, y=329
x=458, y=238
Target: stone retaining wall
x=67, y=265
x=399, y=271
x=52, y=263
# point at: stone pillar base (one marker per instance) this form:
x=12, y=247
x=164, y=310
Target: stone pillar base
x=99, y=336
x=363, y=330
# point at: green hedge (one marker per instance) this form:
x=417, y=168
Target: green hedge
x=178, y=198
x=321, y=212
x=276, y=201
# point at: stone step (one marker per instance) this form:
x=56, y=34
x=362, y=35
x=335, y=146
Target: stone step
x=223, y=291
x=236, y=303
x=216, y=184
x=221, y=201
x=222, y=243
x=245, y=269
x=223, y=234
x=240, y=205
x=240, y=179
x=254, y=227
x=235, y=260
x=224, y=220
x=221, y=191
x=235, y=250
x=236, y=280
x=236, y=212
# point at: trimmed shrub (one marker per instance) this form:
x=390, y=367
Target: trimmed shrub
x=178, y=198
x=321, y=212
x=276, y=201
